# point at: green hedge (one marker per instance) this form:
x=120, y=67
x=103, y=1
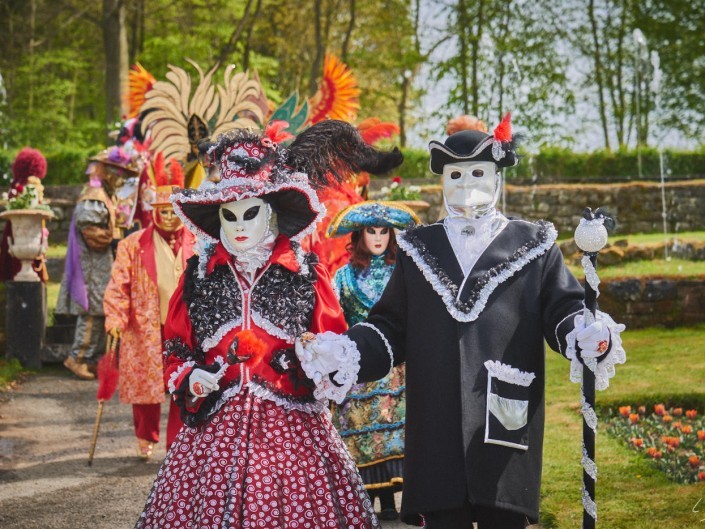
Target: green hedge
x=554, y=164
x=64, y=166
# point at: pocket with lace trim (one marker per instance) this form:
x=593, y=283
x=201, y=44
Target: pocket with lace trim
x=506, y=421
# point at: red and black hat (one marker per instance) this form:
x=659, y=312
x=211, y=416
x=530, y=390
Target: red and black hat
x=476, y=146
x=254, y=164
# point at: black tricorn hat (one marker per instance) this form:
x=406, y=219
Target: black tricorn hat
x=476, y=146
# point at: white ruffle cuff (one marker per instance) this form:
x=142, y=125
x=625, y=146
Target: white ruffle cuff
x=330, y=354
x=605, y=368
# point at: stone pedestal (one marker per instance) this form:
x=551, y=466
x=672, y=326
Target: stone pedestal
x=25, y=321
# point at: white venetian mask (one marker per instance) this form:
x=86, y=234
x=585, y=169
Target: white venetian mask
x=245, y=222
x=471, y=187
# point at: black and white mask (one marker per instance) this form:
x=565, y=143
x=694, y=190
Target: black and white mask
x=244, y=223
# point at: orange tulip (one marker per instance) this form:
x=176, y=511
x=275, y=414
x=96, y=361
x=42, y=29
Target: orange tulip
x=691, y=414
x=634, y=418
x=701, y=435
x=694, y=461
x=701, y=476
x=637, y=441
x=678, y=412
x=659, y=409
x=651, y=451
x=641, y=409
x=667, y=418
x=677, y=425
x=687, y=429
x=624, y=411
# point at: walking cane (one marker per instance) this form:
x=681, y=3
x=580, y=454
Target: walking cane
x=107, y=384
x=591, y=237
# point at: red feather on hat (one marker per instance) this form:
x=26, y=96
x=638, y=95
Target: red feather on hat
x=503, y=131
x=177, y=174
x=373, y=129
x=161, y=177
x=275, y=131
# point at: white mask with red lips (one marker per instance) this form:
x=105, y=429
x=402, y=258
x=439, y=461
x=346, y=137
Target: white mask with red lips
x=248, y=231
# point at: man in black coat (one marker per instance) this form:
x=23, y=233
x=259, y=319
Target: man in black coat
x=468, y=308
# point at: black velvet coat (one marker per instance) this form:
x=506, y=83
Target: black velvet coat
x=459, y=349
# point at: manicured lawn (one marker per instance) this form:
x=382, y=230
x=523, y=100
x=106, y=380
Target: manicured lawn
x=661, y=365
x=56, y=250
x=654, y=267
x=651, y=238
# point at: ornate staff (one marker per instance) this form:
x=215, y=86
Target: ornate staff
x=591, y=237
x=108, y=375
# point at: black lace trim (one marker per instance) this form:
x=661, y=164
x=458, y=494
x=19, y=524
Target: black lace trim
x=432, y=262
x=212, y=301
x=176, y=347
x=285, y=299
x=285, y=362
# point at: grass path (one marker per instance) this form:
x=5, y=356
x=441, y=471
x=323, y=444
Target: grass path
x=630, y=492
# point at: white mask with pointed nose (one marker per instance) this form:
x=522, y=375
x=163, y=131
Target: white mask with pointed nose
x=471, y=188
x=245, y=223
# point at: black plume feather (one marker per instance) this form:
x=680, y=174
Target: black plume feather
x=330, y=150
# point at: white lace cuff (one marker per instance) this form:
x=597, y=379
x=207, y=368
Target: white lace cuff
x=605, y=369
x=329, y=353
x=384, y=339
x=171, y=385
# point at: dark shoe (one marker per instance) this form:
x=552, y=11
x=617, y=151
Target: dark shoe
x=78, y=369
x=388, y=515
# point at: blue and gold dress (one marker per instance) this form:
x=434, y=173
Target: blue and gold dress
x=371, y=418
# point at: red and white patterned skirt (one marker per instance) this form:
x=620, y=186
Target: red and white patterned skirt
x=254, y=464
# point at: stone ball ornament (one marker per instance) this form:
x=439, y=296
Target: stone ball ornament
x=591, y=233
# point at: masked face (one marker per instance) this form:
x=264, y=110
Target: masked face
x=471, y=187
x=244, y=222
x=165, y=219
x=376, y=239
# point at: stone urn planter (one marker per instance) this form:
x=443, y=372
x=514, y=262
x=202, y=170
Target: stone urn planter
x=29, y=241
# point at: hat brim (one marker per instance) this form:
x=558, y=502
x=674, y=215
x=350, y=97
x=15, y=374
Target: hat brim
x=129, y=170
x=297, y=208
x=441, y=156
x=378, y=213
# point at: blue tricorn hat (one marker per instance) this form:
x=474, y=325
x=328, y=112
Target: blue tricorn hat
x=388, y=214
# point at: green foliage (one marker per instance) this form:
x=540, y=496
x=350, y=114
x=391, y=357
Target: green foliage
x=416, y=164
x=67, y=165
x=558, y=164
x=10, y=370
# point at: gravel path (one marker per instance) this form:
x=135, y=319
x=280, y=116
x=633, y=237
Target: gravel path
x=45, y=430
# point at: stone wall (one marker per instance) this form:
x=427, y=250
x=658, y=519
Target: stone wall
x=646, y=302
x=637, y=205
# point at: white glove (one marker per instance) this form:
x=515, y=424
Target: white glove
x=201, y=383
x=593, y=340
x=320, y=358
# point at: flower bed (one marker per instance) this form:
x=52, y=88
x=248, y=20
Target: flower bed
x=672, y=438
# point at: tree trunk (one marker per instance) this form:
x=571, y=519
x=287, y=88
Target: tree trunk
x=317, y=63
x=476, y=58
x=463, y=35
x=32, y=22
x=598, y=71
x=348, y=33
x=116, y=60
x=229, y=47
x=405, y=86
x=248, y=38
